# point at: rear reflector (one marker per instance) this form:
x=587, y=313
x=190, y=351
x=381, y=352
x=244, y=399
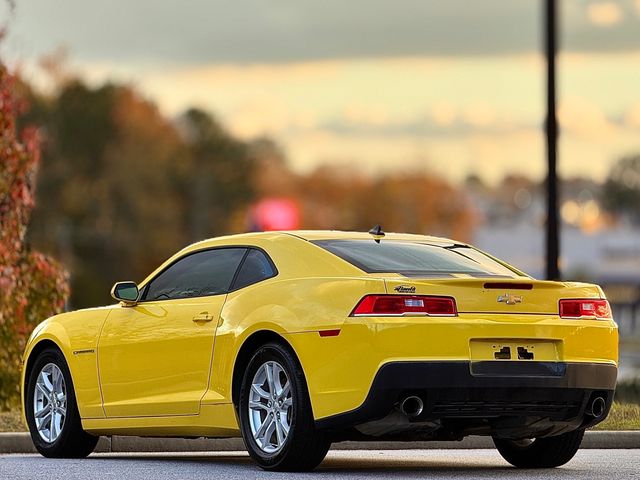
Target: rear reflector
x=585, y=308
x=396, y=305
x=329, y=333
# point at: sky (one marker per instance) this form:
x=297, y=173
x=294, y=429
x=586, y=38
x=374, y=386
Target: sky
x=455, y=88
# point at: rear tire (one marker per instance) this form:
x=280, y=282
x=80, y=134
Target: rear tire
x=546, y=452
x=58, y=432
x=279, y=431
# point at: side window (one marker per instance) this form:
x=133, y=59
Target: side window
x=256, y=267
x=209, y=272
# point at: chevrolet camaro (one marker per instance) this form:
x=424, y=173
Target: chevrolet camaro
x=295, y=340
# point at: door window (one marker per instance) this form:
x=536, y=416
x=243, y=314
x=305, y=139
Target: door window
x=200, y=274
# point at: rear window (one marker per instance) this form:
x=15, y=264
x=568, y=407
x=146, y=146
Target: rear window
x=416, y=259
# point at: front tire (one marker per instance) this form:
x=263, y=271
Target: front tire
x=51, y=409
x=546, y=452
x=275, y=413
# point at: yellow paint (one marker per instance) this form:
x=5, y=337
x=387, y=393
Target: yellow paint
x=213, y=421
x=340, y=369
x=157, y=372
x=157, y=350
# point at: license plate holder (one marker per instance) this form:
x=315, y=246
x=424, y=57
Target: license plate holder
x=514, y=349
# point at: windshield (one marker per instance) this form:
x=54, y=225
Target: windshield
x=416, y=259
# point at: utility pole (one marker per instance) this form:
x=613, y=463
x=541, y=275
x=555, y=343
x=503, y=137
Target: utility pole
x=551, y=130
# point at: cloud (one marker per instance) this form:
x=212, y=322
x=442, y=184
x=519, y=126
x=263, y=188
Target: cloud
x=632, y=116
x=479, y=114
x=583, y=118
x=255, y=31
x=604, y=14
x=443, y=113
x=451, y=115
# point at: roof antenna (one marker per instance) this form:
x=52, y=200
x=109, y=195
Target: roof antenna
x=377, y=233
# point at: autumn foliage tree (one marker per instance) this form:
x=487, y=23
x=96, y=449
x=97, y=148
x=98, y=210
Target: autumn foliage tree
x=32, y=285
x=123, y=186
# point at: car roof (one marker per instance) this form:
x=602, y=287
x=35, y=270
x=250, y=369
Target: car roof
x=264, y=238
x=314, y=235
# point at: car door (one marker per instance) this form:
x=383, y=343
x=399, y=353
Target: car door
x=154, y=358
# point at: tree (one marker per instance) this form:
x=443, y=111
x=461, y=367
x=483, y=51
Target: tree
x=621, y=191
x=123, y=187
x=219, y=175
x=109, y=201
x=401, y=202
x=32, y=285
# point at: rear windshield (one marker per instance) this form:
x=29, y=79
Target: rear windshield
x=415, y=259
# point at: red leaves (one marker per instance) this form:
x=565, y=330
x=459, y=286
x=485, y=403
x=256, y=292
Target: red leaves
x=32, y=286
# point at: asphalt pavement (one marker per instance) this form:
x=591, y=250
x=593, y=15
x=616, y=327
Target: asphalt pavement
x=423, y=464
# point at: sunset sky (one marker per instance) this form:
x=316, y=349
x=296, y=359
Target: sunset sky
x=454, y=87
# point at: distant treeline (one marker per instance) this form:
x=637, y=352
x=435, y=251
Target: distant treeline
x=121, y=187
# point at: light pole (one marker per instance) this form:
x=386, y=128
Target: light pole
x=551, y=130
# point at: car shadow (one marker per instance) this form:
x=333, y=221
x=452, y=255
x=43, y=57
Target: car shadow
x=345, y=466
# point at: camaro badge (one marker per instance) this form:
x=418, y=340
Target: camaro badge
x=509, y=299
x=405, y=289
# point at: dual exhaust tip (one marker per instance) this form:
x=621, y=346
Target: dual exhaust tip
x=597, y=407
x=412, y=406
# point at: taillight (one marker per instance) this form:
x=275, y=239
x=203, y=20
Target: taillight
x=385, y=305
x=585, y=308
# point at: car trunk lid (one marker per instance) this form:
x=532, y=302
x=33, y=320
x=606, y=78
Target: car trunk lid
x=496, y=295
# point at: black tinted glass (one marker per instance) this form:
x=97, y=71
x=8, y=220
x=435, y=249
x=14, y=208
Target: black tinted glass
x=412, y=259
x=200, y=274
x=256, y=267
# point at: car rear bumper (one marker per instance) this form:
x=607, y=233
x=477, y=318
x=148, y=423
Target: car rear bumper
x=488, y=391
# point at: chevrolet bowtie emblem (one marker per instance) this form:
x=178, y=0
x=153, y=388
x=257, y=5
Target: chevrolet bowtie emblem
x=509, y=299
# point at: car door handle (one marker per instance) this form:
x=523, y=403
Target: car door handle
x=203, y=317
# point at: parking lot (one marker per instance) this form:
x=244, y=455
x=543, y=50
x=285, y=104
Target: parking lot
x=450, y=464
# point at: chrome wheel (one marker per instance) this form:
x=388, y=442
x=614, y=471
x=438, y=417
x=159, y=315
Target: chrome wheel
x=50, y=402
x=270, y=407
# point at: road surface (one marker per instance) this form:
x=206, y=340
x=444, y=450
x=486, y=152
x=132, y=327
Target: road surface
x=423, y=464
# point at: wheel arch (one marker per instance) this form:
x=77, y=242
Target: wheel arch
x=36, y=350
x=249, y=346
x=49, y=334
x=32, y=354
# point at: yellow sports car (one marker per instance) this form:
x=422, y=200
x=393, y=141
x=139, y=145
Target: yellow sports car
x=295, y=340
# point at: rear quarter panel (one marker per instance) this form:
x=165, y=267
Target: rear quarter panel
x=292, y=308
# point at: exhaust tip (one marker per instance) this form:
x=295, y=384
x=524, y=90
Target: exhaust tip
x=597, y=407
x=412, y=406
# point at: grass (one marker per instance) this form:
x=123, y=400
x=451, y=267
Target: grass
x=623, y=416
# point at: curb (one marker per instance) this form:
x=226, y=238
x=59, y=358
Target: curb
x=21, y=443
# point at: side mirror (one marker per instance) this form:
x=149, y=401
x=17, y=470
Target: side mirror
x=125, y=292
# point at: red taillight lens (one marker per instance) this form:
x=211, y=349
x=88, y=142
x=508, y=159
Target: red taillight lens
x=372, y=305
x=585, y=308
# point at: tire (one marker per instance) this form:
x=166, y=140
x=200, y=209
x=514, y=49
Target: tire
x=546, y=452
x=303, y=447
x=66, y=438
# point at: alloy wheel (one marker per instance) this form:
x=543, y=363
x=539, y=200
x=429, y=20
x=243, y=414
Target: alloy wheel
x=50, y=402
x=270, y=407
